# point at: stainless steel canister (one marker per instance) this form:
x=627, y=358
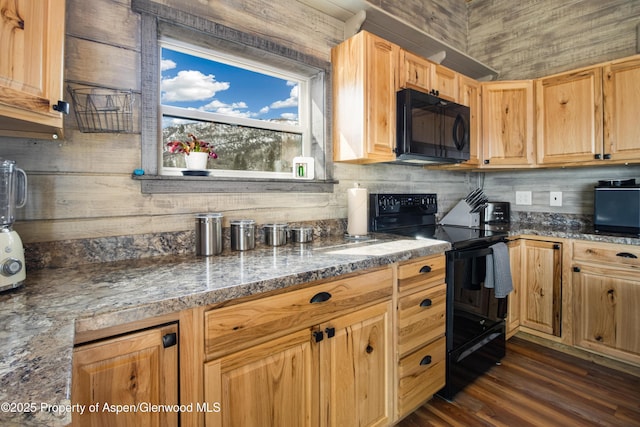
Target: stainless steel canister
x=209, y=234
x=243, y=234
x=301, y=234
x=275, y=234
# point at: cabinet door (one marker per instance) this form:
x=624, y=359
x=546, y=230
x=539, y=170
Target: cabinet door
x=541, y=287
x=271, y=384
x=570, y=117
x=415, y=72
x=606, y=311
x=32, y=46
x=508, y=123
x=130, y=370
x=364, y=99
x=513, y=310
x=621, y=105
x=469, y=95
x=445, y=81
x=355, y=367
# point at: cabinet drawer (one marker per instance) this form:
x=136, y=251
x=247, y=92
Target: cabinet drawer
x=421, y=318
x=625, y=255
x=236, y=327
x=421, y=375
x=423, y=273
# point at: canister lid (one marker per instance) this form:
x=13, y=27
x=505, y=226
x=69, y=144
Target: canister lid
x=209, y=215
x=242, y=222
x=276, y=226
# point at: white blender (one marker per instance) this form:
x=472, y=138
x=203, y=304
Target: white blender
x=13, y=194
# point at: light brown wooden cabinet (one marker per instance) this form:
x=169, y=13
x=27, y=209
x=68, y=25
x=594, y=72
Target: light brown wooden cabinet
x=31, y=71
x=606, y=287
x=139, y=368
x=513, y=305
x=587, y=115
x=319, y=356
x=621, y=80
x=569, y=125
x=421, y=323
x=469, y=95
x=541, y=286
x=419, y=73
x=364, y=99
x=508, y=123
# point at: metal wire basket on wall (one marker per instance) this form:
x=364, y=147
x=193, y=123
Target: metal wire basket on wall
x=102, y=109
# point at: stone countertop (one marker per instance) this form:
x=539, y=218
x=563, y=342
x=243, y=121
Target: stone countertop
x=39, y=320
x=568, y=232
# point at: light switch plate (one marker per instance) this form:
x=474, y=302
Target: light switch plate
x=555, y=198
x=523, y=197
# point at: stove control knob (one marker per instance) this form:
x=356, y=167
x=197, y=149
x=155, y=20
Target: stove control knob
x=11, y=266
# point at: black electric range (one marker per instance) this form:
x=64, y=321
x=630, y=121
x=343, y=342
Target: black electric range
x=475, y=318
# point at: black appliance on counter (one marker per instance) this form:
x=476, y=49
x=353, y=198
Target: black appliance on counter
x=616, y=206
x=431, y=129
x=475, y=332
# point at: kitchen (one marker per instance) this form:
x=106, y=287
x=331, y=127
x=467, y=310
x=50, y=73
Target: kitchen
x=83, y=205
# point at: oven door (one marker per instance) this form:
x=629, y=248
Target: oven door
x=473, y=309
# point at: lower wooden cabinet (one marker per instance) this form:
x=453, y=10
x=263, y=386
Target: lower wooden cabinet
x=541, y=286
x=319, y=356
x=606, y=287
x=513, y=304
x=125, y=373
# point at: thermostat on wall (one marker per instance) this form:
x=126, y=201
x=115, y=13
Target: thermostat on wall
x=303, y=167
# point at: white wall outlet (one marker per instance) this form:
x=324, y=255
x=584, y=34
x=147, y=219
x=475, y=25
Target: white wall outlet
x=523, y=197
x=555, y=198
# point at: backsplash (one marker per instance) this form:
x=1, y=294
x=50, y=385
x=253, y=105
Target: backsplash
x=67, y=253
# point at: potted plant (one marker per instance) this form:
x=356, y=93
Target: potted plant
x=196, y=152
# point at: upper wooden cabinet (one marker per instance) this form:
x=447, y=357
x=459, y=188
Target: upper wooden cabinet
x=419, y=73
x=31, y=70
x=364, y=99
x=570, y=117
x=589, y=115
x=508, y=123
x=469, y=95
x=621, y=80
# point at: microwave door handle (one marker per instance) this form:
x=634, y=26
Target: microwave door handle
x=459, y=123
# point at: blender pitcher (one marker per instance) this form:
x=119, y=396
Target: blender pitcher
x=13, y=191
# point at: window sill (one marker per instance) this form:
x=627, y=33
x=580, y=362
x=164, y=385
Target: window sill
x=161, y=184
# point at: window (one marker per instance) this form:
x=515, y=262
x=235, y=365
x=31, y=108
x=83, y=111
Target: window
x=255, y=116
x=165, y=28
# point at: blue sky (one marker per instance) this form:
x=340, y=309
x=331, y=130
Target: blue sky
x=192, y=82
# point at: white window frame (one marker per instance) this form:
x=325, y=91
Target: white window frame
x=303, y=127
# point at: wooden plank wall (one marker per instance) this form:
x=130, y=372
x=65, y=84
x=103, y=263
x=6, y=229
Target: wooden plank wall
x=80, y=187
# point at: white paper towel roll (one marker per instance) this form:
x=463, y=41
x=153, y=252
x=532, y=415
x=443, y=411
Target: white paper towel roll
x=357, y=216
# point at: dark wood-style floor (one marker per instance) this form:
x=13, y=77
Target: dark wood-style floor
x=538, y=386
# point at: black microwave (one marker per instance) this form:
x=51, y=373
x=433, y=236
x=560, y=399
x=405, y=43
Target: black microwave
x=616, y=206
x=431, y=129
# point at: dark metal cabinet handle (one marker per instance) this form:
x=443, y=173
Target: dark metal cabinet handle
x=169, y=340
x=576, y=269
x=331, y=332
x=487, y=161
x=425, y=360
x=607, y=156
x=318, y=336
x=425, y=269
x=320, y=297
x=596, y=156
x=626, y=255
x=426, y=303
x=556, y=246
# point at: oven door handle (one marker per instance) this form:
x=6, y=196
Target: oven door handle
x=471, y=253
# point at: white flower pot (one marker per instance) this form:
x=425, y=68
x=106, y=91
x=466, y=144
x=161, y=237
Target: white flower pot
x=196, y=161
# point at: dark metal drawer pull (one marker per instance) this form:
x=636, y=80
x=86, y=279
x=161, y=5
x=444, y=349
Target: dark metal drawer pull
x=320, y=297
x=425, y=360
x=425, y=269
x=169, y=340
x=626, y=255
x=426, y=303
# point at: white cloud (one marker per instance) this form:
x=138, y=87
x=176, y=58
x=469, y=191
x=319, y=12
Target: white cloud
x=289, y=116
x=292, y=101
x=190, y=85
x=167, y=64
x=233, y=109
